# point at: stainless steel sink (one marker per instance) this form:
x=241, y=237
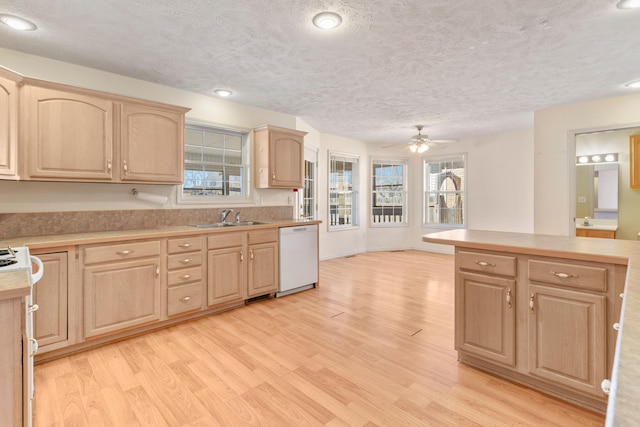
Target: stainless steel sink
x=229, y=224
x=213, y=225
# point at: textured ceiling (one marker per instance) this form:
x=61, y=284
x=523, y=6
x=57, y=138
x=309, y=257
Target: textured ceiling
x=461, y=68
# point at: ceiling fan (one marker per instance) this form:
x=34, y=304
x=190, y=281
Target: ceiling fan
x=420, y=143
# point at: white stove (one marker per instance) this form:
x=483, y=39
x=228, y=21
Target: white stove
x=12, y=259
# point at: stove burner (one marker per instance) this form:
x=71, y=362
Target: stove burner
x=7, y=251
x=7, y=262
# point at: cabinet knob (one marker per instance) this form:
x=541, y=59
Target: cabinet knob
x=127, y=252
x=109, y=165
x=125, y=167
x=605, y=385
x=185, y=245
x=616, y=326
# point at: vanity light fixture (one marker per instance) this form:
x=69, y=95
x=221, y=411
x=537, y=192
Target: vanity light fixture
x=593, y=159
x=327, y=20
x=17, y=23
x=224, y=93
x=628, y=4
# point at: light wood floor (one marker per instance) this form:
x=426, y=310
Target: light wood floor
x=373, y=346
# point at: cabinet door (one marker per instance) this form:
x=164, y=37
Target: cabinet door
x=286, y=158
x=50, y=293
x=8, y=129
x=634, y=159
x=567, y=339
x=225, y=277
x=68, y=136
x=151, y=144
x=121, y=295
x=485, y=317
x=263, y=273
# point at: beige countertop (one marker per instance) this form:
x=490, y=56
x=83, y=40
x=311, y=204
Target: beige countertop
x=624, y=406
x=58, y=240
x=14, y=284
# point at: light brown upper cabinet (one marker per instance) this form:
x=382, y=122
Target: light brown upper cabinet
x=9, y=124
x=634, y=161
x=74, y=134
x=278, y=157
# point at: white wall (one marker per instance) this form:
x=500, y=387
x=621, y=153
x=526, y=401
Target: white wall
x=554, y=162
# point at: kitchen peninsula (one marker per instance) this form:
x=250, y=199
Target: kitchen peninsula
x=546, y=311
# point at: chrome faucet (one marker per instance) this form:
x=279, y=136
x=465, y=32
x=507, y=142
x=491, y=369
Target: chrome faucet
x=238, y=216
x=586, y=221
x=224, y=214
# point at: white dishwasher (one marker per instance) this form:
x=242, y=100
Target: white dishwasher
x=298, y=259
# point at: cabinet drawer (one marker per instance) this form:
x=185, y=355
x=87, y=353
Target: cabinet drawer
x=487, y=263
x=119, y=252
x=184, y=298
x=184, y=260
x=224, y=240
x=180, y=277
x=578, y=276
x=263, y=236
x=184, y=244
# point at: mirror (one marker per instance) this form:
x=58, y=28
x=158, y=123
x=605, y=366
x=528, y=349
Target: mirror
x=597, y=191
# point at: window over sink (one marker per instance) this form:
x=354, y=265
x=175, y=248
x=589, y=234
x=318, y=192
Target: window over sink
x=215, y=164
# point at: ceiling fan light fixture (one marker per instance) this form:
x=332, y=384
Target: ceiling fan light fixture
x=224, y=93
x=423, y=147
x=633, y=85
x=17, y=23
x=327, y=20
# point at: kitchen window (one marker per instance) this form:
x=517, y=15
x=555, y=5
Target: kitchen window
x=215, y=165
x=444, y=192
x=388, y=192
x=343, y=191
x=308, y=205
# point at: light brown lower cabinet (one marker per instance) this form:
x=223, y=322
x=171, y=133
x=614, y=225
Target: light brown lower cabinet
x=540, y=321
x=121, y=285
x=262, y=274
x=225, y=268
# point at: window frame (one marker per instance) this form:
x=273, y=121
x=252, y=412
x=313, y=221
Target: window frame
x=425, y=190
x=391, y=161
x=354, y=159
x=245, y=198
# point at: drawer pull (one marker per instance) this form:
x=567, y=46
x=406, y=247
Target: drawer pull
x=185, y=299
x=532, y=303
x=605, y=385
x=251, y=255
x=186, y=276
x=185, y=245
x=186, y=260
x=616, y=326
x=273, y=176
x=127, y=252
x=484, y=263
x=241, y=257
x=509, y=297
x=564, y=275
x=157, y=271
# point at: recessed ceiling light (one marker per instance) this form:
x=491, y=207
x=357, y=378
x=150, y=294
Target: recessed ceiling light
x=223, y=92
x=633, y=85
x=628, y=4
x=327, y=20
x=17, y=23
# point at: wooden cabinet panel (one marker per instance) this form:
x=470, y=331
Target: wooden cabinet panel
x=120, y=251
x=568, y=274
x=485, y=317
x=278, y=157
x=602, y=234
x=120, y=295
x=225, y=275
x=152, y=146
x=184, y=260
x=182, y=276
x=634, y=161
x=8, y=125
x=50, y=294
x=68, y=136
x=567, y=338
x=184, y=244
x=11, y=362
x=487, y=263
x=262, y=275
